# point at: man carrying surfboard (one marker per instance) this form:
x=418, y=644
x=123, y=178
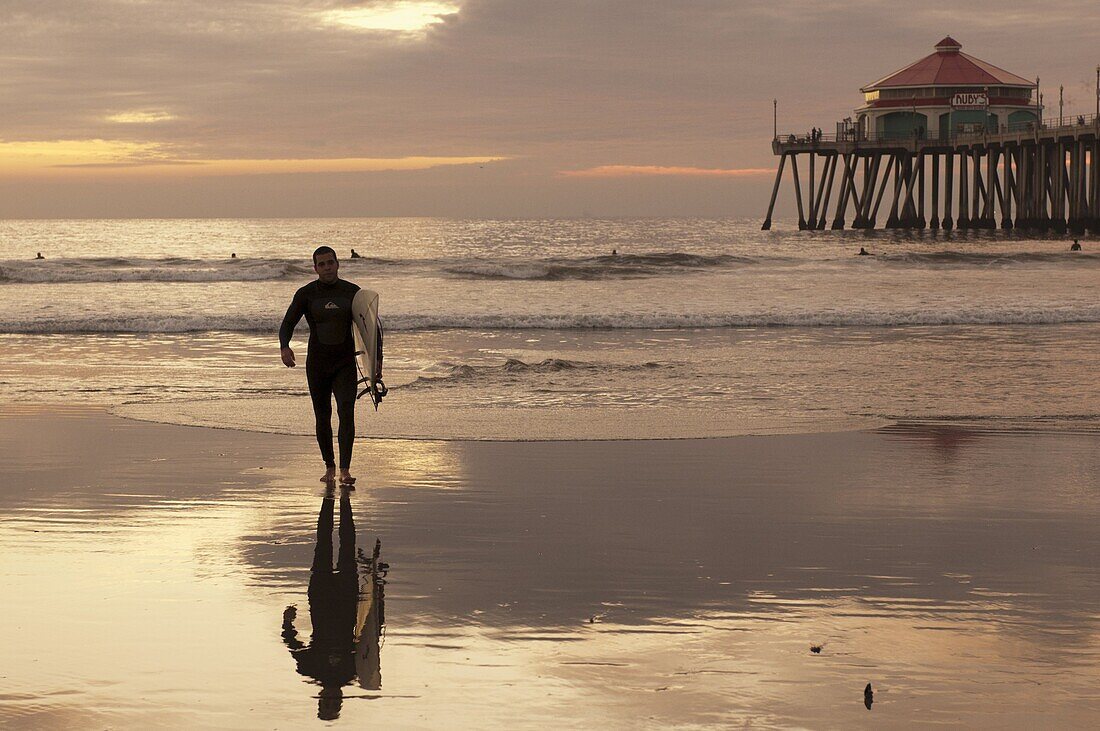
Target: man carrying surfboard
x=330, y=356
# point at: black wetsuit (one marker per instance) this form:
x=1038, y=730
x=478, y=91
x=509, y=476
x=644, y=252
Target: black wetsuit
x=330, y=359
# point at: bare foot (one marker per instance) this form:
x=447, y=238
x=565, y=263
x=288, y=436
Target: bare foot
x=346, y=478
x=329, y=476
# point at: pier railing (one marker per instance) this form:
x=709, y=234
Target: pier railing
x=1072, y=124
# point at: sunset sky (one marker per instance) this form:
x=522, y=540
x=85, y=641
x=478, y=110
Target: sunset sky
x=502, y=108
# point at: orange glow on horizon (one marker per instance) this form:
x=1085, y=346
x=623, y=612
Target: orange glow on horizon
x=110, y=158
x=628, y=171
x=140, y=117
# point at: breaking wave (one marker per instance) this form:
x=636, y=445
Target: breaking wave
x=989, y=259
x=445, y=372
x=115, y=269
x=597, y=267
x=65, y=271
x=269, y=322
x=592, y=268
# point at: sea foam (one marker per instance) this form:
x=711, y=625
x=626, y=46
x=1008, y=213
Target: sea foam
x=269, y=323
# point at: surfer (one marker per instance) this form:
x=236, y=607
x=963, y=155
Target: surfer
x=330, y=356
x=355, y=254
x=1076, y=245
x=863, y=252
x=40, y=256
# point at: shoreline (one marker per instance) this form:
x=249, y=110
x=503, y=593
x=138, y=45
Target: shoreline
x=545, y=424
x=984, y=424
x=752, y=426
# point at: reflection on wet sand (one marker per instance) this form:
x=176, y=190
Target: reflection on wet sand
x=346, y=611
x=616, y=585
x=945, y=439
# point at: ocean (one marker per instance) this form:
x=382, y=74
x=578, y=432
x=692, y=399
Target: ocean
x=559, y=329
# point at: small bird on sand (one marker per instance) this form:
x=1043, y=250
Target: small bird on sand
x=868, y=696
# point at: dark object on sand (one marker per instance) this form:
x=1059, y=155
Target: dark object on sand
x=816, y=649
x=863, y=252
x=868, y=696
x=1076, y=246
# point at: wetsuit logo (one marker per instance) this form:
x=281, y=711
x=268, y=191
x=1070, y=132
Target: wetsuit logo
x=331, y=306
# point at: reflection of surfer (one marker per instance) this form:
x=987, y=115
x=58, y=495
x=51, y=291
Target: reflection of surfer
x=330, y=357
x=347, y=619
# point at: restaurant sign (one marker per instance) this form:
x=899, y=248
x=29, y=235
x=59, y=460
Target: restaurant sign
x=970, y=101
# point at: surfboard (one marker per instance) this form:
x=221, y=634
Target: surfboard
x=368, y=344
x=369, y=620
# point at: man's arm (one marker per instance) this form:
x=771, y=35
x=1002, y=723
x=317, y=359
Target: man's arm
x=290, y=635
x=286, y=330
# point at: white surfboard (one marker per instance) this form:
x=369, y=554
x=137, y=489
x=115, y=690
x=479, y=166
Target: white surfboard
x=369, y=620
x=368, y=346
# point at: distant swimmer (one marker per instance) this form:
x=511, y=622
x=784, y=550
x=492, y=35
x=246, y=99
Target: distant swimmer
x=233, y=255
x=330, y=357
x=1076, y=246
x=614, y=252
x=355, y=254
x=40, y=256
x=863, y=252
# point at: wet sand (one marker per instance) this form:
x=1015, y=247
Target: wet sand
x=148, y=568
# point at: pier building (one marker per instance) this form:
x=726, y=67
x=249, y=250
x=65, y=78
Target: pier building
x=947, y=91
x=944, y=118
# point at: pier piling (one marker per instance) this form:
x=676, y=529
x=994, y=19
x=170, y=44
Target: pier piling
x=1032, y=179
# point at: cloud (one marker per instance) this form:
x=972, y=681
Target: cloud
x=405, y=16
x=114, y=158
x=140, y=117
x=28, y=157
x=630, y=171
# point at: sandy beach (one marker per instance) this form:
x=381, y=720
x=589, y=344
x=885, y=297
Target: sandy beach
x=148, y=569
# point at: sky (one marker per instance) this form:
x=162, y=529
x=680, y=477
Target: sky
x=465, y=108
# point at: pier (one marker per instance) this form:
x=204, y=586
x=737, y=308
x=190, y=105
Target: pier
x=947, y=142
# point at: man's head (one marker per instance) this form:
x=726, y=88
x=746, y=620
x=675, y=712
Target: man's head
x=329, y=702
x=325, y=264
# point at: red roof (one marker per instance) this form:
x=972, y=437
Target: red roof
x=949, y=66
